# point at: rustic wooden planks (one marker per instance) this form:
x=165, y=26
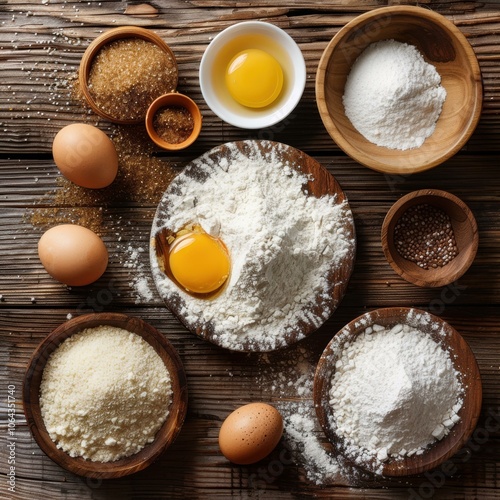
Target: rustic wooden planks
x=40, y=48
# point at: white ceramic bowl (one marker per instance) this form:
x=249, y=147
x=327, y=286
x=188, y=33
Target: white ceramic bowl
x=260, y=35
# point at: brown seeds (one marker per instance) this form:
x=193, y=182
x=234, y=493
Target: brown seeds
x=424, y=235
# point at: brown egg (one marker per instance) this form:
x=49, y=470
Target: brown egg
x=85, y=155
x=250, y=433
x=73, y=255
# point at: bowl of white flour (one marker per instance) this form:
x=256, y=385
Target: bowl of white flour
x=397, y=391
x=290, y=235
x=399, y=89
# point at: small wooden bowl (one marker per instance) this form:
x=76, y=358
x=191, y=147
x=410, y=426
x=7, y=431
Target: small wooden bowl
x=164, y=437
x=442, y=45
x=464, y=228
x=462, y=358
x=178, y=100
x=94, y=48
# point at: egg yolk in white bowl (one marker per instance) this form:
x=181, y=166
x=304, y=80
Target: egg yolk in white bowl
x=254, y=78
x=199, y=262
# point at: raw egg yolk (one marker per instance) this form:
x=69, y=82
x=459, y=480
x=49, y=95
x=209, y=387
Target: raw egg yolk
x=199, y=262
x=254, y=78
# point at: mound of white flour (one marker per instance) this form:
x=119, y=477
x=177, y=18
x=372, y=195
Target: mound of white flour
x=392, y=96
x=394, y=392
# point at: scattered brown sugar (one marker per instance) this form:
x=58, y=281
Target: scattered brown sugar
x=174, y=124
x=424, y=235
x=127, y=75
x=47, y=217
x=142, y=178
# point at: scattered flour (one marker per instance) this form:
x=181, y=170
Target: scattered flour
x=392, y=96
x=142, y=282
x=104, y=394
x=302, y=435
x=394, y=392
x=283, y=245
x=281, y=380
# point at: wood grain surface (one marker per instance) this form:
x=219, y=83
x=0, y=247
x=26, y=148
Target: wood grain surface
x=41, y=46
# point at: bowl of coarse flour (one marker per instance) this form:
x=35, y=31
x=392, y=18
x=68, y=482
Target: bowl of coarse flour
x=105, y=395
x=398, y=391
x=284, y=223
x=399, y=89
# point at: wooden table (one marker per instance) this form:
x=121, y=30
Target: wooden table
x=41, y=46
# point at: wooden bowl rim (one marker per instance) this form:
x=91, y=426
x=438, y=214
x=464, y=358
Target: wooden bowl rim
x=98, y=43
x=337, y=135
x=174, y=99
x=423, y=277
x=205, y=331
x=463, y=360
x=128, y=465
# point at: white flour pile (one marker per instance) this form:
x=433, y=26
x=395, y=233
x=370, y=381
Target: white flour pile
x=392, y=96
x=104, y=394
x=370, y=403
x=283, y=243
x=394, y=392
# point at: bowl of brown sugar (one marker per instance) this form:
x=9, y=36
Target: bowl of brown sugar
x=173, y=121
x=124, y=70
x=430, y=237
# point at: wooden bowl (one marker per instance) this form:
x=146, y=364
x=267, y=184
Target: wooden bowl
x=462, y=358
x=321, y=183
x=177, y=100
x=442, y=45
x=164, y=437
x=94, y=48
x=464, y=229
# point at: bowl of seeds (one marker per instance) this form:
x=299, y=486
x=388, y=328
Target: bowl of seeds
x=173, y=121
x=124, y=70
x=430, y=237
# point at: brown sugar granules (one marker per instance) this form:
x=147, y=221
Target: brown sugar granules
x=424, y=235
x=142, y=178
x=174, y=124
x=46, y=217
x=128, y=75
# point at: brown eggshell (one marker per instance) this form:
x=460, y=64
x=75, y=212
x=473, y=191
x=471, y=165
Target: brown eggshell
x=73, y=255
x=250, y=433
x=85, y=155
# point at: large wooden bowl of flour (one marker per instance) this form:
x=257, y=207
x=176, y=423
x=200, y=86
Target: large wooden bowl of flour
x=163, y=438
x=443, y=46
x=384, y=392
x=290, y=235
